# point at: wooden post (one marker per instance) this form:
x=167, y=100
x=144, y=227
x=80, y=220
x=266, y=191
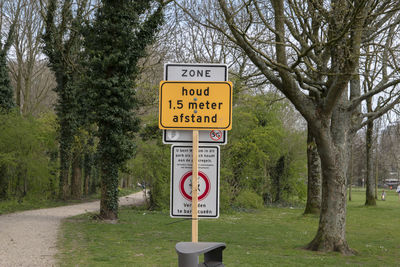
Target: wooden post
x=195, y=178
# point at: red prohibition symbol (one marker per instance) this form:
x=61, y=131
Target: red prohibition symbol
x=184, y=180
x=216, y=135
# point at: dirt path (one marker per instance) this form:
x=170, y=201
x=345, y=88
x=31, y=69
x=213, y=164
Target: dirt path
x=29, y=238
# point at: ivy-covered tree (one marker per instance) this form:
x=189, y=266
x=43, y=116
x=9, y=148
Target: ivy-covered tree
x=62, y=45
x=115, y=42
x=6, y=92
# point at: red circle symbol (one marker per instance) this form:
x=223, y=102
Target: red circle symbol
x=184, y=181
x=216, y=135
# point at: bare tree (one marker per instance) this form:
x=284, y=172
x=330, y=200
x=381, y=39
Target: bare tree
x=31, y=77
x=8, y=21
x=389, y=151
x=312, y=46
x=378, y=76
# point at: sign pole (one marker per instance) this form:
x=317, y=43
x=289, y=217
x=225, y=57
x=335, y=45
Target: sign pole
x=195, y=173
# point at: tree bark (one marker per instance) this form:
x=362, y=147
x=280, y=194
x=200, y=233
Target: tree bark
x=64, y=174
x=109, y=193
x=313, y=205
x=18, y=88
x=370, y=181
x=87, y=175
x=351, y=171
x=332, y=147
x=76, y=178
x=376, y=171
x=3, y=182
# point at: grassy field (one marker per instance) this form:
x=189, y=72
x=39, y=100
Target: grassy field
x=269, y=237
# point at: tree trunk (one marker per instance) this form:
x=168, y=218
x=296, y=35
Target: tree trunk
x=376, y=171
x=94, y=178
x=3, y=182
x=76, y=179
x=370, y=181
x=18, y=88
x=278, y=177
x=88, y=162
x=88, y=166
x=313, y=205
x=109, y=191
x=86, y=185
x=331, y=141
x=64, y=174
x=351, y=170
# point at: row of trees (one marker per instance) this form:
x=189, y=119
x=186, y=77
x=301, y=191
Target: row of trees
x=326, y=57
x=335, y=61
x=323, y=48
x=93, y=56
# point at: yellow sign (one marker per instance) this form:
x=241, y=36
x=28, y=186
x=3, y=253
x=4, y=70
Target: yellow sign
x=195, y=105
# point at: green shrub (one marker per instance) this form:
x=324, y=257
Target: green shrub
x=226, y=196
x=27, y=148
x=248, y=199
x=151, y=167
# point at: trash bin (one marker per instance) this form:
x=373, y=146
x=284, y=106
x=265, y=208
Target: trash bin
x=188, y=254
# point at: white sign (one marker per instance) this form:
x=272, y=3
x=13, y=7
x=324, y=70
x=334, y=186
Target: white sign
x=214, y=137
x=181, y=182
x=195, y=72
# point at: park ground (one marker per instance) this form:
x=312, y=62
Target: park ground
x=272, y=236
x=29, y=238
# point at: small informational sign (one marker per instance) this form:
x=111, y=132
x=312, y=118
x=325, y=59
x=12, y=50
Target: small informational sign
x=207, y=137
x=195, y=72
x=195, y=105
x=181, y=182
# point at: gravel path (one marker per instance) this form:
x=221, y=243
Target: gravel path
x=29, y=238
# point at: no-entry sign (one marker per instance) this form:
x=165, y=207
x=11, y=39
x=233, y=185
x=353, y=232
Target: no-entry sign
x=195, y=105
x=181, y=182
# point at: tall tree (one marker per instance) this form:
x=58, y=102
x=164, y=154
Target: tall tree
x=278, y=38
x=6, y=91
x=62, y=45
x=114, y=44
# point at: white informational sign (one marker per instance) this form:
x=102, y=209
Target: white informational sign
x=195, y=72
x=214, y=137
x=181, y=182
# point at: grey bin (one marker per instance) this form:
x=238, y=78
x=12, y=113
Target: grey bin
x=188, y=254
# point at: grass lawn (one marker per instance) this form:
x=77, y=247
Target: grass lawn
x=268, y=237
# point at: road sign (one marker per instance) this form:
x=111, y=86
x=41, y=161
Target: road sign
x=195, y=105
x=208, y=184
x=213, y=137
x=195, y=72
x=183, y=72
